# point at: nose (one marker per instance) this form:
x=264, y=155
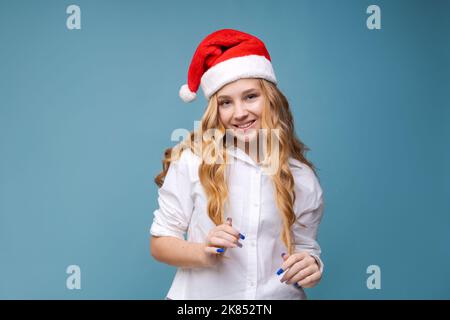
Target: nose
x=240, y=112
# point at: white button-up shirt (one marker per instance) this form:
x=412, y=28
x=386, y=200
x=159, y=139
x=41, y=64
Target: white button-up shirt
x=248, y=272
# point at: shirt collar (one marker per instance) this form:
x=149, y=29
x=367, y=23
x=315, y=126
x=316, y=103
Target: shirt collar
x=238, y=153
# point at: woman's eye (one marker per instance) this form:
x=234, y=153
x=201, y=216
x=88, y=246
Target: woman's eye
x=224, y=103
x=251, y=96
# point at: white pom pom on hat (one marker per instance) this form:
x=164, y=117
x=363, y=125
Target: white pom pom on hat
x=186, y=94
x=225, y=56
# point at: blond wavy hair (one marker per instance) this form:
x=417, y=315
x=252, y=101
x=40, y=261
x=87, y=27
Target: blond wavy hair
x=276, y=115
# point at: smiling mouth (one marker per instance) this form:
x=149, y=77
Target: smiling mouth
x=245, y=125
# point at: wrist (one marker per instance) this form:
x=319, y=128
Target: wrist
x=202, y=255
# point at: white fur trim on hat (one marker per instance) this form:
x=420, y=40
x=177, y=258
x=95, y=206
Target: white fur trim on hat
x=251, y=66
x=186, y=94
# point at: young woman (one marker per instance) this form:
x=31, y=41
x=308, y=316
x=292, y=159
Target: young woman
x=239, y=188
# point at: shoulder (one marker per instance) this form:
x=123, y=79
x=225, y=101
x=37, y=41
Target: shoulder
x=188, y=157
x=307, y=185
x=187, y=163
x=304, y=175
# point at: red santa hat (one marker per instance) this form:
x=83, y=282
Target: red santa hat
x=225, y=56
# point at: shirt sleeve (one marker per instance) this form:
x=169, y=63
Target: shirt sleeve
x=175, y=201
x=309, y=208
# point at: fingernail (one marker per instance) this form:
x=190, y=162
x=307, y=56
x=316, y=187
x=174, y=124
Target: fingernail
x=280, y=271
x=283, y=254
x=220, y=250
x=239, y=245
x=297, y=285
x=241, y=236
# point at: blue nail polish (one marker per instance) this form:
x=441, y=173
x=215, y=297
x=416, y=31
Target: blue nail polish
x=283, y=254
x=280, y=271
x=241, y=236
x=220, y=250
x=297, y=285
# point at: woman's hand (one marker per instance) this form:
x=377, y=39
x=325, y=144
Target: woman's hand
x=300, y=268
x=219, y=239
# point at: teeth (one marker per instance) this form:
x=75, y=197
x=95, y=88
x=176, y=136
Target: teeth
x=246, y=125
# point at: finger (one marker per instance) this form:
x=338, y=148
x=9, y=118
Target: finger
x=220, y=242
x=311, y=280
x=302, y=274
x=293, y=259
x=226, y=236
x=233, y=238
x=214, y=250
x=294, y=270
x=284, y=256
x=229, y=229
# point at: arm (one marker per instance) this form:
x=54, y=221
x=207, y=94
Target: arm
x=304, y=266
x=172, y=218
x=306, y=229
x=177, y=252
x=182, y=253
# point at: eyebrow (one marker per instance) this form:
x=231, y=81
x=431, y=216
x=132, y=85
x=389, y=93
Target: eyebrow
x=243, y=93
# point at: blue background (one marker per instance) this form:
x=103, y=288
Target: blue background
x=86, y=114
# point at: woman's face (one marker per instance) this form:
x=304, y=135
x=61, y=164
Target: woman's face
x=240, y=106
